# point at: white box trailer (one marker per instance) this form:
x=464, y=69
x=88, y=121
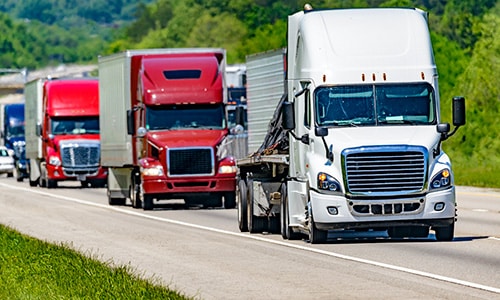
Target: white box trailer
x=33, y=91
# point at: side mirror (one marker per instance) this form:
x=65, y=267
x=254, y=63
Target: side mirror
x=130, y=122
x=458, y=111
x=141, y=132
x=287, y=115
x=443, y=128
x=240, y=115
x=321, y=131
x=38, y=129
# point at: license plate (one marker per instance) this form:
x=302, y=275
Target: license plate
x=81, y=177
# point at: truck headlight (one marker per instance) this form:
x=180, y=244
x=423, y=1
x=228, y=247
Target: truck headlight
x=227, y=169
x=328, y=183
x=441, y=180
x=227, y=165
x=152, y=171
x=54, y=160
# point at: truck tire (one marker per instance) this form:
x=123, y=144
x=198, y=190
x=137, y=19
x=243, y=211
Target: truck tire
x=445, y=233
x=19, y=174
x=33, y=183
x=229, y=200
x=286, y=232
x=135, y=193
x=255, y=224
x=51, y=184
x=242, y=206
x=316, y=236
x=147, y=203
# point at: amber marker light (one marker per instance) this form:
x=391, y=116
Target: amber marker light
x=321, y=176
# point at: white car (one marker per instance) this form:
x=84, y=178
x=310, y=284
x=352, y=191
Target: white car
x=6, y=162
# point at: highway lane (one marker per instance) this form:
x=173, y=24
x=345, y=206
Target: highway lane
x=201, y=252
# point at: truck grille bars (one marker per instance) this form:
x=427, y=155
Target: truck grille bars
x=190, y=161
x=80, y=157
x=383, y=172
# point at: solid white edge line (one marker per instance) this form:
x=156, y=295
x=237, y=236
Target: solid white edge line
x=281, y=243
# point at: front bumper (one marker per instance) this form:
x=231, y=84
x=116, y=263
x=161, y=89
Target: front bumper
x=172, y=188
x=60, y=174
x=379, y=213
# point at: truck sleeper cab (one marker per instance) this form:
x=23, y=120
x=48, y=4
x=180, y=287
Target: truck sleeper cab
x=363, y=152
x=63, y=142
x=169, y=138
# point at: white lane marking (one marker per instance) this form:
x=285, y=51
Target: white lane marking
x=258, y=238
x=480, y=210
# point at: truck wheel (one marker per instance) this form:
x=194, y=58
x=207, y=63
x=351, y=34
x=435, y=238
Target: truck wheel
x=33, y=183
x=242, y=206
x=255, y=224
x=51, y=184
x=445, y=233
x=147, y=203
x=229, y=200
x=42, y=182
x=135, y=193
x=19, y=174
x=316, y=236
x=286, y=232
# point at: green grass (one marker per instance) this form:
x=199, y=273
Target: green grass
x=32, y=269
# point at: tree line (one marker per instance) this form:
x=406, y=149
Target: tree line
x=465, y=36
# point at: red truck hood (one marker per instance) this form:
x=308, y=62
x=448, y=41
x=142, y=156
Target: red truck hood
x=187, y=138
x=58, y=138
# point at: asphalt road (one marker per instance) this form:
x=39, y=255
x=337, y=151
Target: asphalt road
x=201, y=252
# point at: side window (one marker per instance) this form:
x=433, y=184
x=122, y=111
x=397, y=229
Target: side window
x=307, y=109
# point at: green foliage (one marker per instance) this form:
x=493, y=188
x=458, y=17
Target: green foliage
x=31, y=269
x=464, y=34
x=477, y=145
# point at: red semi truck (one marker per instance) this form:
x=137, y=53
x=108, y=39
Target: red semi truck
x=62, y=132
x=164, y=129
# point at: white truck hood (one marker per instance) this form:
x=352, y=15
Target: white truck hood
x=343, y=138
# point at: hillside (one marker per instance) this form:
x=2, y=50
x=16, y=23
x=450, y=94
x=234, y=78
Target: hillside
x=465, y=34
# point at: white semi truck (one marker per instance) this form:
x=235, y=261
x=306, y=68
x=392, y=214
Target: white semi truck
x=355, y=140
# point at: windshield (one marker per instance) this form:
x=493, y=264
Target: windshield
x=375, y=105
x=15, y=131
x=185, y=117
x=88, y=125
x=231, y=117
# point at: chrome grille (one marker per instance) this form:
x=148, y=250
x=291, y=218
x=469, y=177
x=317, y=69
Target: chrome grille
x=372, y=171
x=190, y=161
x=80, y=154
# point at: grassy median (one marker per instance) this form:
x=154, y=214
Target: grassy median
x=32, y=269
